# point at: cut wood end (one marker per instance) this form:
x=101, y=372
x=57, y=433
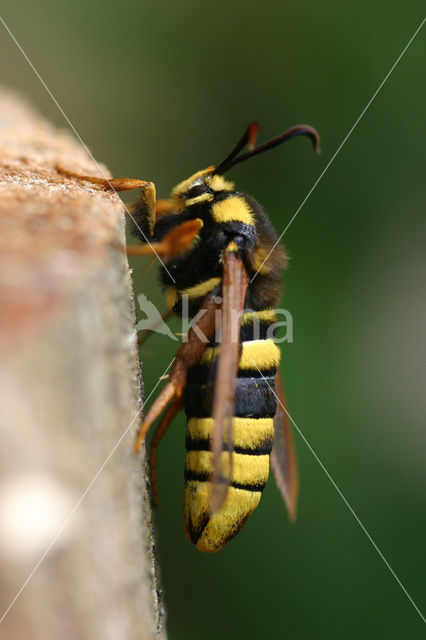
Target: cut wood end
x=51, y=227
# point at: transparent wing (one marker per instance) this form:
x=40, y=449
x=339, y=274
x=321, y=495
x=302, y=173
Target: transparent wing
x=234, y=287
x=283, y=457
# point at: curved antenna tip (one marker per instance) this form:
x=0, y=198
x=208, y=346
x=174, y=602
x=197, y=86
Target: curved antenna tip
x=316, y=143
x=305, y=129
x=249, y=139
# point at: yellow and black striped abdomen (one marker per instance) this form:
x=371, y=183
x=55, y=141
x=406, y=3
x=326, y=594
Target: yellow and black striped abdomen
x=253, y=434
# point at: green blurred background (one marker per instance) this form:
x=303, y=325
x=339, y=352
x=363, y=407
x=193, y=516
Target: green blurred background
x=160, y=89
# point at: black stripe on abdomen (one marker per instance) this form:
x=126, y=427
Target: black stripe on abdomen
x=204, y=477
x=204, y=444
x=254, y=398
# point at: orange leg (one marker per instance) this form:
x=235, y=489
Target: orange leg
x=112, y=184
x=162, y=206
x=146, y=201
x=160, y=432
x=187, y=356
x=176, y=242
x=150, y=264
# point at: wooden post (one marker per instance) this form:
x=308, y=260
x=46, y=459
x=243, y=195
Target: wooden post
x=72, y=494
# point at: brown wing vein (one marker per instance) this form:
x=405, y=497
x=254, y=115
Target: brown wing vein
x=283, y=457
x=234, y=287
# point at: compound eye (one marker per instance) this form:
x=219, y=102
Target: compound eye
x=197, y=189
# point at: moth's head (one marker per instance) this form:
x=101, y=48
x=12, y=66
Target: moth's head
x=201, y=186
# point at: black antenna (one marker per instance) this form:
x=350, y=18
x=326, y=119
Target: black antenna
x=298, y=130
x=249, y=137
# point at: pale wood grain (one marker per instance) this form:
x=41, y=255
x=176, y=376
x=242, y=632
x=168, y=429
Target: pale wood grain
x=69, y=388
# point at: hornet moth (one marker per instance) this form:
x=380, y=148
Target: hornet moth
x=222, y=253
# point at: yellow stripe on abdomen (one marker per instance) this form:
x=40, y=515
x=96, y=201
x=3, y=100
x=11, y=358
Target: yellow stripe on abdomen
x=247, y=433
x=255, y=354
x=267, y=315
x=211, y=533
x=252, y=441
x=247, y=470
x=260, y=354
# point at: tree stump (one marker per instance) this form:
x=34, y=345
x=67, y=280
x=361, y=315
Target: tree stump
x=75, y=522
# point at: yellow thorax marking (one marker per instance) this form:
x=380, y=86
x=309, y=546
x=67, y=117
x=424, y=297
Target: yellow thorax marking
x=259, y=260
x=200, y=289
x=196, y=291
x=233, y=209
x=218, y=183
